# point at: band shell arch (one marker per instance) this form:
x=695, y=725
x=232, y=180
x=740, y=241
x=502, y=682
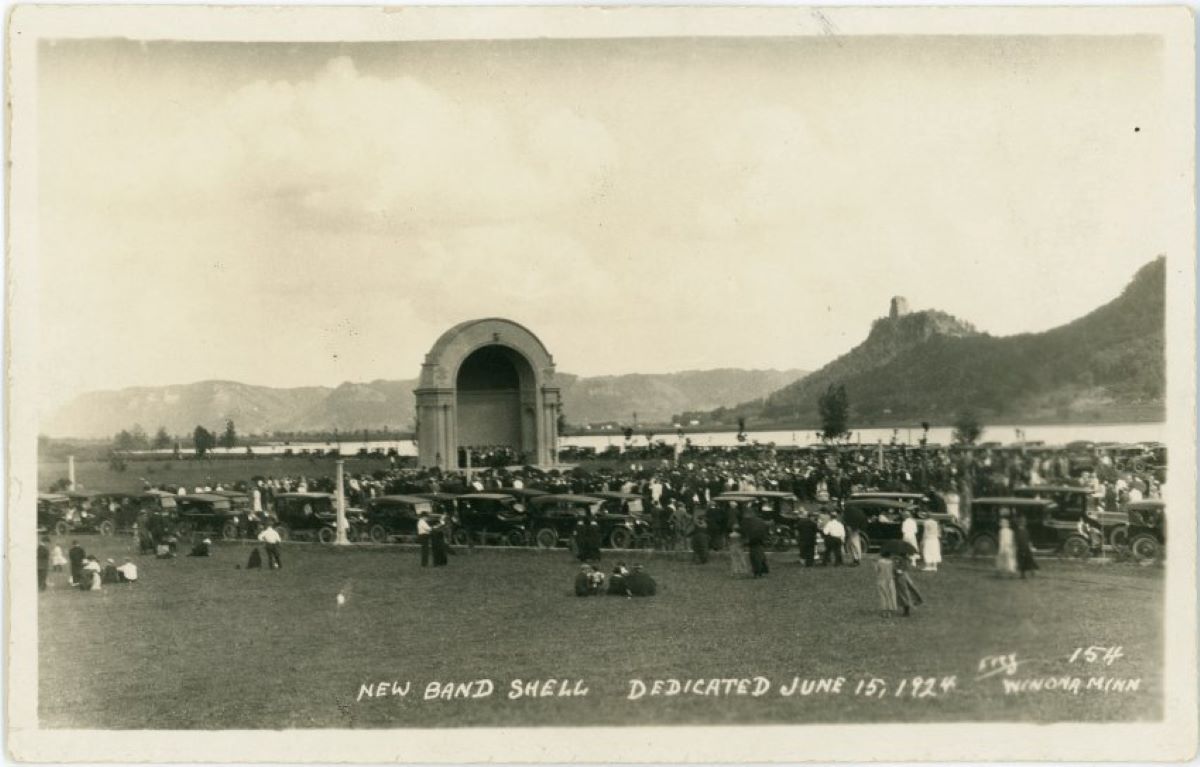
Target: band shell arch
x=487, y=383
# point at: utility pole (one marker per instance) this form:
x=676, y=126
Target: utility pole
x=341, y=503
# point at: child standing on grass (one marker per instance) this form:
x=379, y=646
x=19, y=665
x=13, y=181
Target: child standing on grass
x=739, y=561
x=885, y=583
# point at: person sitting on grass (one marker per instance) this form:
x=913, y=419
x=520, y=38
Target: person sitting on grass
x=589, y=582
x=200, y=549
x=109, y=573
x=90, y=575
x=127, y=572
x=617, y=586
x=640, y=584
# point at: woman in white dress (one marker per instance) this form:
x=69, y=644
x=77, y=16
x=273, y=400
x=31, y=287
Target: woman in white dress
x=1006, y=551
x=908, y=530
x=931, y=543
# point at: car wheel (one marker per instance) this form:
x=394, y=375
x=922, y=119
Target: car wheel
x=61, y=528
x=460, y=537
x=952, y=539
x=378, y=534
x=283, y=531
x=983, y=546
x=864, y=541
x=184, y=529
x=229, y=531
x=1145, y=548
x=546, y=538
x=327, y=535
x=1118, y=537
x=106, y=528
x=515, y=538
x=1076, y=547
x=620, y=538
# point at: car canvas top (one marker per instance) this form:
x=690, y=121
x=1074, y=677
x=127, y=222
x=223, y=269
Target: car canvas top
x=413, y=499
x=880, y=503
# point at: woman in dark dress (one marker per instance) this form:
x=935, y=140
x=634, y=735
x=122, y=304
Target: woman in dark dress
x=441, y=548
x=1025, y=561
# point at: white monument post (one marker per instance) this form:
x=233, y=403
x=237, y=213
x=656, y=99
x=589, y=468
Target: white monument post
x=341, y=503
x=71, y=471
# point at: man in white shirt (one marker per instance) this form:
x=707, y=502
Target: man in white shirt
x=272, y=540
x=127, y=572
x=834, y=533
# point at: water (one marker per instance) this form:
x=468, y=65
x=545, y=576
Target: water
x=1050, y=434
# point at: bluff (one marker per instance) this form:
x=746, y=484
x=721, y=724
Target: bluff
x=380, y=404
x=1108, y=365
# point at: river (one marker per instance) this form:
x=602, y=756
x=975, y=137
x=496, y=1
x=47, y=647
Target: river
x=1052, y=434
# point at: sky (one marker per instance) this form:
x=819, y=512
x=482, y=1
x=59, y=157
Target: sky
x=308, y=214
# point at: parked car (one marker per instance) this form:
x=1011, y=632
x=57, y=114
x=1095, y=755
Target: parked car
x=523, y=495
x=779, y=510
x=206, y=514
x=54, y=513
x=491, y=517
x=885, y=516
x=314, y=515
x=553, y=519
x=1048, y=533
x=395, y=516
x=1147, y=530
x=1075, y=504
x=119, y=512
x=621, y=503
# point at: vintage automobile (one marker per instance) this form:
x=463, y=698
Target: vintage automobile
x=206, y=514
x=445, y=504
x=621, y=503
x=1077, y=503
x=553, y=519
x=779, y=510
x=314, y=515
x=884, y=517
x=54, y=513
x=1147, y=530
x=490, y=517
x=390, y=517
x=119, y=512
x=1048, y=533
x=523, y=495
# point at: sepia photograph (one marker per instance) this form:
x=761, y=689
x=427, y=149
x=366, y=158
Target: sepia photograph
x=565, y=384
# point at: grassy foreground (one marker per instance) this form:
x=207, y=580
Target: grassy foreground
x=202, y=644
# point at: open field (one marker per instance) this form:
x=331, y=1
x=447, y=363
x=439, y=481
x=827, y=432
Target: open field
x=201, y=643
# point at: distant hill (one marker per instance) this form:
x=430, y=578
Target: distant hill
x=378, y=404
x=1108, y=365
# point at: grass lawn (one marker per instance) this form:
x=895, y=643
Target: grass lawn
x=201, y=644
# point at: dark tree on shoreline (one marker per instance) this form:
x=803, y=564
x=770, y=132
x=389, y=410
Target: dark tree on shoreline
x=967, y=428
x=834, y=407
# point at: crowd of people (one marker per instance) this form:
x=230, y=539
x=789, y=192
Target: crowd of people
x=677, y=501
